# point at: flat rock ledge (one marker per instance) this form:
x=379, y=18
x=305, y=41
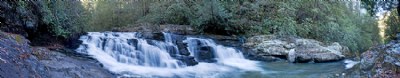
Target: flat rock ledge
x=297, y=50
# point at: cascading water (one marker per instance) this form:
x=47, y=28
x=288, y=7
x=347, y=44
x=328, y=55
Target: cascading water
x=224, y=55
x=127, y=53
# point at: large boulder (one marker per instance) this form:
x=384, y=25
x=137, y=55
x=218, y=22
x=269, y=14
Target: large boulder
x=314, y=55
x=294, y=49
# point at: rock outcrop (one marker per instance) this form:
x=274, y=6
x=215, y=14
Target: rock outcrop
x=59, y=65
x=382, y=61
x=19, y=60
x=272, y=48
x=16, y=60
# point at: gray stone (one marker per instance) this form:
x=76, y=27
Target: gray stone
x=295, y=49
x=20, y=60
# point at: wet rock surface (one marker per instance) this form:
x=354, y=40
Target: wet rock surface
x=60, y=65
x=16, y=60
x=272, y=48
x=206, y=54
x=188, y=60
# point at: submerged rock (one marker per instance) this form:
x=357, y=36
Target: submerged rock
x=188, y=60
x=182, y=48
x=294, y=49
x=206, y=54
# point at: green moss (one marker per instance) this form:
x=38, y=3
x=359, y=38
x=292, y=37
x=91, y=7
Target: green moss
x=18, y=38
x=22, y=3
x=39, y=55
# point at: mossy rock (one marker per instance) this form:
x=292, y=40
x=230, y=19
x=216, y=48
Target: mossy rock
x=18, y=38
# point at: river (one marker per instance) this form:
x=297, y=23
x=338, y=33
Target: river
x=128, y=54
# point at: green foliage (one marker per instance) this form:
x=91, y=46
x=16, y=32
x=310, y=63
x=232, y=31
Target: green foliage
x=63, y=17
x=178, y=13
x=247, y=17
x=206, y=15
x=328, y=21
x=210, y=15
x=104, y=16
x=169, y=12
x=393, y=25
x=22, y=4
x=108, y=14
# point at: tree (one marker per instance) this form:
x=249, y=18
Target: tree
x=393, y=25
x=211, y=16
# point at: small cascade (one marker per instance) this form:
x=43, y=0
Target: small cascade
x=350, y=63
x=207, y=50
x=171, y=43
x=127, y=53
x=221, y=52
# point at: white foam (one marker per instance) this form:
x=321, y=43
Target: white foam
x=350, y=63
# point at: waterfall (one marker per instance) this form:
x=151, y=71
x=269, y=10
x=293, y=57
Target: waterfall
x=128, y=53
